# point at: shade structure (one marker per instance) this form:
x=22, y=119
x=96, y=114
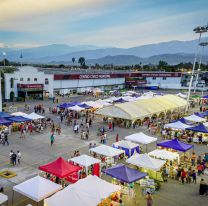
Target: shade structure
x=19, y=119
x=85, y=106
x=124, y=173
x=64, y=105
x=184, y=121
x=205, y=124
x=76, y=108
x=95, y=105
x=164, y=154
x=202, y=114
x=199, y=128
x=177, y=125
x=3, y=198
x=120, y=100
x=18, y=114
x=5, y=121
x=195, y=118
x=34, y=116
x=85, y=160
x=205, y=114
x=89, y=191
x=144, y=107
x=205, y=97
x=141, y=138
x=4, y=115
x=182, y=95
x=37, y=188
x=60, y=168
x=103, y=102
x=176, y=145
x=107, y=151
x=129, y=147
x=145, y=161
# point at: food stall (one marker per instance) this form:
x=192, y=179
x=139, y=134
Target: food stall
x=129, y=147
x=151, y=166
x=61, y=171
x=141, y=138
x=17, y=121
x=108, y=154
x=90, y=164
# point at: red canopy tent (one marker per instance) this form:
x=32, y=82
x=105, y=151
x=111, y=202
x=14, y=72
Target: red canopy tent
x=60, y=168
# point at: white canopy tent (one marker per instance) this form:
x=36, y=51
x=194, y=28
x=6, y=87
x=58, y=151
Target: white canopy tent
x=34, y=116
x=125, y=144
x=19, y=114
x=145, y=161
x=164, y=154
x=89, y=191
x=182, y=95
x=195, y=118
x=206, y=124
x=95, y=105
x=3, y=198
x=107, y=151
x=103, y=102
x=85, y=161
x=76, y=108
x=177, y=125
x=111, y=99
x=37, y=188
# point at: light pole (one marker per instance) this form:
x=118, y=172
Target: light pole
x=202, y=44
x=199, y=30
x=4, y=56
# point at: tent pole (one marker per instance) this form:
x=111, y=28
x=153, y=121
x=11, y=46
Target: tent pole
x=12, y=197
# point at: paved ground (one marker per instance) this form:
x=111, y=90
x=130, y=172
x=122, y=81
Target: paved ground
x=36, y=151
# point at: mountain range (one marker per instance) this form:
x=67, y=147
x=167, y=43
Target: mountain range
x=173, y=52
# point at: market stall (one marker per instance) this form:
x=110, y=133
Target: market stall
x=18, y=114
x=195, y=118
x=34, y=116
x=36, y=188
x=108, y=154
x=90, y=191
x=86, y=162
x=184, y=121
x=148, y=164
x=61, y=169
x=19, y=119
x=129, y=147
x=76, y=108
x=177, y=125
x=5, y=121
x=141, y=138
x=5, y=115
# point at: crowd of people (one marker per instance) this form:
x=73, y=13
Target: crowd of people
x=15, y=157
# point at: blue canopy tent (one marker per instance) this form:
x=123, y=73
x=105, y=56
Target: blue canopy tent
x=205, y=97
x=124, y=173
x=5, y=121
x=184, y=121
x=4, y=115
x=176, y=145
x=202, y=115
x=19, y=119
x=85, y=106
x=205, y=114
x=199, y=128
x=63, y=106
x=120, y=100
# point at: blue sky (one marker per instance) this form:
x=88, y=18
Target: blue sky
x=119, y=23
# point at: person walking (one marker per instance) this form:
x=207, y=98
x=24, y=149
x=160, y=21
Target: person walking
x=183, y=175
x=14, y=159
x=52, y=139
x=19, y=155
x=10, y=156
x=194, y=176
x=149, y=199
x=117, y=137
x=6, y=139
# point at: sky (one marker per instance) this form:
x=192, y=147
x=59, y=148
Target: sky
x=107, y=23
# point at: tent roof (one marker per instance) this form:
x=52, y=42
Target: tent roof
x=177, y=125
x=195, y=118
x=184, y=121
x=202, y=114
x=164, y=154
x=34, y=116
x=64, y=105
x=124, y=173
x=141, y=138
x=3, y=198
x=4, y=115
x=37, y=188
x=199, y=128
x=107, y=151
x=125, y=144
x=205, y=97
x=143, y=107
x=85, y=160
x=18, y=114
x=145, y=161
x=89, y=191
x=205, y=114
x=93, y=104
x=85, y=106
x=60, y=168
x=103, y=102
x=5, y=121
x=19, y=119
x=176, y=145
x=75, y=108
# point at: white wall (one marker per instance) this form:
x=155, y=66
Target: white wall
x=168, y=83
x=25, y=73
x=81, y=83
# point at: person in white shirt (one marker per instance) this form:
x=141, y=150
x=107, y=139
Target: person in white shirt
x=19, y=155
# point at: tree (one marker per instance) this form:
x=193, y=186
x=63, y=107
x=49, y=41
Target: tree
x=162, y=64
x=73, y=59
x=81, y=61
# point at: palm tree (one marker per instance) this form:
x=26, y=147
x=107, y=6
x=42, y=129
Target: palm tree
x=81, y=61
x=73, y=60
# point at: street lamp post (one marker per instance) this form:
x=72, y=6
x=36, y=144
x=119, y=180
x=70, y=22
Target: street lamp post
x=4, y=56
x=199, y=30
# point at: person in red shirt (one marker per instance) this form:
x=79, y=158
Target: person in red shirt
x=183, y=175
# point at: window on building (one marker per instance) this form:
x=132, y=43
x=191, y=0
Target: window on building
x=154, y=78
x=164, y=78
x=46, y=81
x=35, y=79
x=21, y=79
x=28, y=79
x=12, y=82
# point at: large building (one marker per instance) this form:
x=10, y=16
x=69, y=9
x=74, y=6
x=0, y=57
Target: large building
x=30, y=82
